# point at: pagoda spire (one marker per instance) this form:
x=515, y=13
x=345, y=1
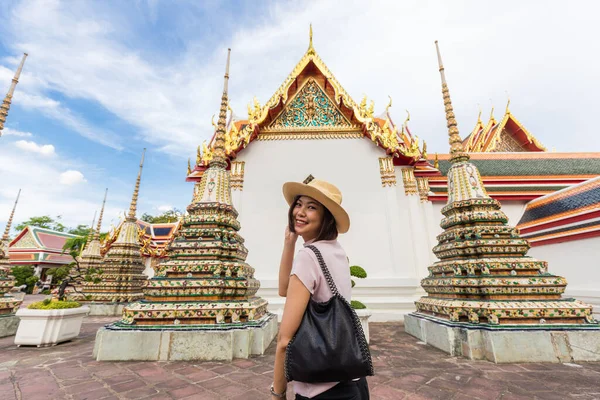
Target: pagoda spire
x=8, y=99
x=219, y=158
x=97, y=232
x=136, y=191
x=10, y=219
x=311, y=49
x=457, y=150
x=90, y=235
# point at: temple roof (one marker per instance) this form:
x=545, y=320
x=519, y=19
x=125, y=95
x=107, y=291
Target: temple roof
x=34, y=245
x=522, y=176
x=508, y=135
x=569, y=214
x=311, y=103
x=153, y=238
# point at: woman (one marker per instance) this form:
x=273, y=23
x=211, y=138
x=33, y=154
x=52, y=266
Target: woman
x=317, y=216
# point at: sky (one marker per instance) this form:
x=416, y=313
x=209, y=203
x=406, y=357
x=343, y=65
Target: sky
x=103, y=80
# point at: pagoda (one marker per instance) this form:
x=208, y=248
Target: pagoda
x=204, y=285
x=90, y=259
x=120, y=274
x=484, y=294
x=8, y=304
x=11, y=91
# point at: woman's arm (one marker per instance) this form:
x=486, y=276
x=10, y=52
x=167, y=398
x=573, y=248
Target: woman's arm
x=295, y=305
x=287, y=258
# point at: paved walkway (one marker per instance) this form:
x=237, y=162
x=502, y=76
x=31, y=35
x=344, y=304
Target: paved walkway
x=404, y=369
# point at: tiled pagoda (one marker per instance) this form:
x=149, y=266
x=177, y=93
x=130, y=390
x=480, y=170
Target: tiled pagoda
x=121, y=277
x=8, y=304
x=91, y=257
x=484, y=275
x=205, y=279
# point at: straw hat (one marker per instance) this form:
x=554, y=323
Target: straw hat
x=323, y=192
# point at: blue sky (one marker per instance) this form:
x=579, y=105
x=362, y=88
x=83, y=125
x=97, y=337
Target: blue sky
x=105, y=79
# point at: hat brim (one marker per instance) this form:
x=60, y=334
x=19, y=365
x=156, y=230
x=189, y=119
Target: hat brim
x=293, y=189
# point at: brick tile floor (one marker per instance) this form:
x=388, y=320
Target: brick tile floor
x=405, y=369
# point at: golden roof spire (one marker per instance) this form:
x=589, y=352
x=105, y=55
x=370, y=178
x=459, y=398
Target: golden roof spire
x=189, y=168
x=508, y=104
x=8, y=99
x=311, y=49
x=136, y=191
x=9, y=223
x=97, y=233
x=90, y=235
x=389, y=104
x=218, y=158
x=479, y=116
x=457, y=150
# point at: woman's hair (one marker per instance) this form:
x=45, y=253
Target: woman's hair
x=328, y=226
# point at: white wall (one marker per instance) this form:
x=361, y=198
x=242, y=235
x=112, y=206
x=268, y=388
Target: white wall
x=577, y=261
x=379, y=240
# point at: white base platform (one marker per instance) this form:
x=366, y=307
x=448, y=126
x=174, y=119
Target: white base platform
x=183, y=344
x=8, y=325
x=105, y=309
x=507, y=345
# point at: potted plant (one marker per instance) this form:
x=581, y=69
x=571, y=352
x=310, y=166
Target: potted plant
x=49, y=322
x=361, y=310
x=52, y=321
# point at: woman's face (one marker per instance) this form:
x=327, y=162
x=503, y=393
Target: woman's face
x=308, y=217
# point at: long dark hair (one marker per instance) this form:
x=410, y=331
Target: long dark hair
x=328, y=226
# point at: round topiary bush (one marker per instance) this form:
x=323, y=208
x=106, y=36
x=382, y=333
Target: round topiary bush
x=50, y=304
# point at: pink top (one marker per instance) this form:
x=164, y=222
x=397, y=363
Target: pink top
x=307, y=269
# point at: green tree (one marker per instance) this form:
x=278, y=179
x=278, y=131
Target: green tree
x=168, y=216
x=60, y=273
x=44, y=221
x=80, y=230
x=24, y=276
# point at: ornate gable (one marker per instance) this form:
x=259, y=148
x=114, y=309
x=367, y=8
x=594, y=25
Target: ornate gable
x=310, y=108
x=27, y=241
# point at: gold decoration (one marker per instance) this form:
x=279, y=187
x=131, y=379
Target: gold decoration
x=189, y=167
x=409, y=181
x=436, y=162
x=237, y=175
x=386, y=169
x=423, y=186
x=316, y=135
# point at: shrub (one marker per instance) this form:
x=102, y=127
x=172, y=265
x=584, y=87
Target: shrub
x=47, y=291
x=49, y=304
x=24, y=276
x=357, y=272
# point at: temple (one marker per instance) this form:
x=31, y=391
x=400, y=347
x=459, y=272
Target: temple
x=120, y=278
x=311, y=125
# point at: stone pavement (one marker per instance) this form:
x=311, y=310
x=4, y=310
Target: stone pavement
x=404, y=369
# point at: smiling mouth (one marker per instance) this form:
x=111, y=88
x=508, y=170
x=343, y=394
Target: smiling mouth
x=301, y=223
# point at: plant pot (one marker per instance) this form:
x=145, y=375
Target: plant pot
x=363, y=315
x=49, y=327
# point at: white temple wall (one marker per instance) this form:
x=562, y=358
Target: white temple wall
x=577, y=261
x=379, y=239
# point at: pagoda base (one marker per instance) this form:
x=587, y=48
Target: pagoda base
x=507, y=343
x=117, y=342
x=8, y=325
x=106, y=309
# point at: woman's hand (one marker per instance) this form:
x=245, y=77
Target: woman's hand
x=290, y=237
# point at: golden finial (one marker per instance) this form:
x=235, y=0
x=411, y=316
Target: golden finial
x=212, y=121
x=198, y=156
x=218, y=156
x=436, y=162
x=457, y=150
x=389, y=104
x=479, y=116
x=189, y=170
x=407, y=117
x=136, y=191
x=10, y=219
x=492, y=113
x=311, y=49
x=97, y=233
x=8, y=99
x=424, y=152
x=508, y=104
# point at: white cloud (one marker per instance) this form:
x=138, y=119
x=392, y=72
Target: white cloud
x=14, y=132
x=27, y=145
x=164, y=208
x=71, y=177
